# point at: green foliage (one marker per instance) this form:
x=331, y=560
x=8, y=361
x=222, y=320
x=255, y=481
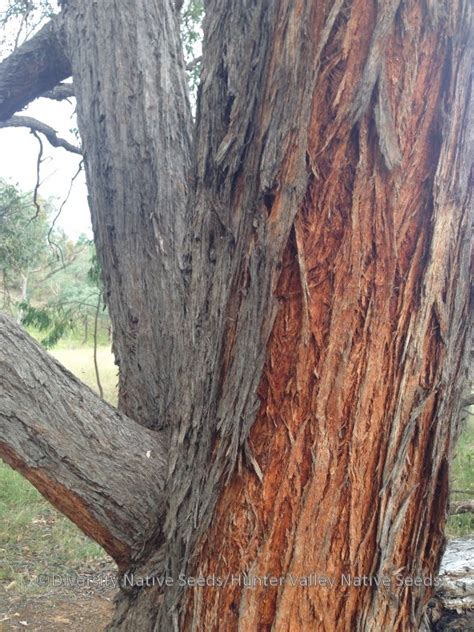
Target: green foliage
x=23, y=231
x=191, y=34
x=53, y=290
x=94, y=272
x=67, y=301
x=56, y=321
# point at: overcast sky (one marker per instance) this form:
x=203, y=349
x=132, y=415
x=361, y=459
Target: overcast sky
x=19, y=152
x=18, y=155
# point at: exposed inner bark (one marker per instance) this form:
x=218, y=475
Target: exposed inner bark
x=360, y=390
x=101, y=469
x=360, y=394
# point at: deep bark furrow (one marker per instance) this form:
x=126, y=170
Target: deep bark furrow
x=251, y=177
x=101, y=469
x=35, y=67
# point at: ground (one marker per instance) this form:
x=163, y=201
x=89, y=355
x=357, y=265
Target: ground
x=53, y=578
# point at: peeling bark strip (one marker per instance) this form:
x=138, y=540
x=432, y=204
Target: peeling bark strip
x=135, y=122
x=98, y=467
x=35, y=67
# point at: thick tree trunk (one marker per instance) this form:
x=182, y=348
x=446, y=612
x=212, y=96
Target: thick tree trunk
x=310, y=366
x=346, y=469
x=135, y=124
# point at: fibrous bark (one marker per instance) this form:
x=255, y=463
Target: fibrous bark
x=101, y=469
x=346, y=464
x=135, y=124
x=360, y=385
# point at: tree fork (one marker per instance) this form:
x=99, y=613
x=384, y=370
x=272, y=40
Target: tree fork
x=101, y=469
x=327, y=220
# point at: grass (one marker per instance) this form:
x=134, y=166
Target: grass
x=35, y=539
x=462, y=478
x=80, y=362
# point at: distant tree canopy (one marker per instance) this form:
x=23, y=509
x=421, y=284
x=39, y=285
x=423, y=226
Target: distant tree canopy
x=47, y=281
x=23, y=234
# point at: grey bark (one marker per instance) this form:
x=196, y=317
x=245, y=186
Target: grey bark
x=35, y=67
x=135, y=123
x=249, y=119
x=60, y=92
x=103, y=470
x=191, y=345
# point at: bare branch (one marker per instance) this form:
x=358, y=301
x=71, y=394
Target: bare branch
x=192, y=64
x=37, y=126
x=39, y=160
x=61, y=92
x=97, y=466
x=457, y=507
x=33, y=68
x=55, y=219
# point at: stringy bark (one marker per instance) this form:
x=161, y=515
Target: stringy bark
x=360, y=387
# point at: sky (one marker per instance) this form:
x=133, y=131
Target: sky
x=18, y=156
x=19, y=152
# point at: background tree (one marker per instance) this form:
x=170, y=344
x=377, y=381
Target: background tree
x=23, y=241
x=49, y=282
x=288, y=285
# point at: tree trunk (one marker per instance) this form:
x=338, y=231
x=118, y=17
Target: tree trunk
x=136, y=135
x=295, y=313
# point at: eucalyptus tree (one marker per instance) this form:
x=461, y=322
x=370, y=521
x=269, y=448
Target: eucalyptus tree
x=287, y=277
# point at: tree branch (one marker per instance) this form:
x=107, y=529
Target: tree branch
x=35, y=67
x=147, y=280
x=101, y=469
x=457, y=507
x=192, y=64
x=37, y=126
x=60, y=92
